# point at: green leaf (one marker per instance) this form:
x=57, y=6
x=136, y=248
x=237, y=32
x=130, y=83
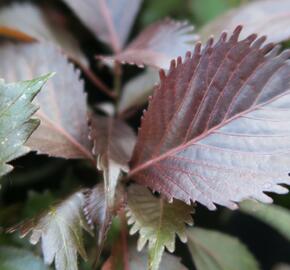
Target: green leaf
x=213, y=250
x=157, y=222
x=273, y=215
x=19, y=259
x=16, y=124
x=61, y=233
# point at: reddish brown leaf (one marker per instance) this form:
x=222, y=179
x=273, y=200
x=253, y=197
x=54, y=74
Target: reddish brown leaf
x=26, y=22
x=217, y=128
x=97, y=212
x=114, y=142
x=63, y=131
x=158, y=44
x=110, y=21
x=267, y=17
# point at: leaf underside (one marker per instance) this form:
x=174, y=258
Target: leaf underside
x=16, y=124
x=223, y=132
x=63, y=131
x=157, y=222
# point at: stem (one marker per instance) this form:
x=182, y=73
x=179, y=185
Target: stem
x=94, y=79
x=124, y=233
x=117, y=79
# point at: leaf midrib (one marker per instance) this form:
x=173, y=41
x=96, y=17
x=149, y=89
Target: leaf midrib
x=181, y=147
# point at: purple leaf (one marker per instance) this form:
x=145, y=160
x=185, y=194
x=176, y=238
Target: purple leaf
x=158, y=44
x=217, y=128
x=109, y=20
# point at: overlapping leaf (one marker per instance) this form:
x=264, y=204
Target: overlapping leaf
x=223, y=125
x=16, y=124
x=109, y=20
x=267, y=17
x=63, y=131
x=273, y=215
x=157, y=222
x=114, y=142
x=139, y=260
x=18, y=259
x=158, y=44
x=27, y=22
x=60, y=231
x=213, y=250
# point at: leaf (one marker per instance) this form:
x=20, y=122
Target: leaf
x=213, y=250
x=18, y=259
x=34, y=24
x=268, y=17
x=114, y=142
x=222, y=134
x=109, y=20
x=98, y=214
x=136, y=91
x=63, y=131
x=16, y=124
x=96, y=211
x=157, y=222
x=60, y=231
x=158, y=44
x=273, y=215
x=138, y=260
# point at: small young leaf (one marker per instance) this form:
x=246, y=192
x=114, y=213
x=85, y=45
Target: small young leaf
x=15, y=122
x=60, y=231
x=158, y=44
x=217, y=128
x=273, y=215
x=33, y=24
x=63, y=131
x=99, y=214
x=213, y=250
x=110, y=21
x=18, y=259
x=136, y=91
x=157, y=222
x=95, y=210
x=269, y=17
x=114, y=142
